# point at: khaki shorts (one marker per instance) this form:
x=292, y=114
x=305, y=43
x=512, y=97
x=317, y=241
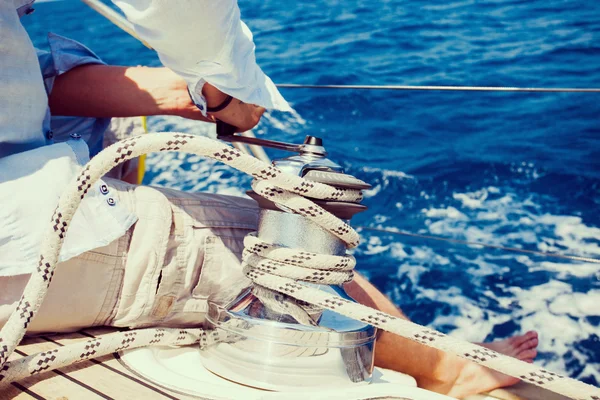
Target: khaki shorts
x=184, y=249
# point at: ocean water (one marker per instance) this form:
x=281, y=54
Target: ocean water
x=520, y=170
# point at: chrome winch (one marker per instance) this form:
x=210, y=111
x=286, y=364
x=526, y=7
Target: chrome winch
x=266, y=349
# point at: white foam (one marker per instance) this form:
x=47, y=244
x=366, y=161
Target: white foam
x=554, y=308
x=480, y=267
x=473, y=199
x=374, y=246
x=570, y=233
x=448, y=212
x=386, y=173
x=577, y=304
x=386, y=176
x=559, y=315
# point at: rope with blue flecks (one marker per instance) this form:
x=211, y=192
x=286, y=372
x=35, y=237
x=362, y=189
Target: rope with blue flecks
x=271, y=268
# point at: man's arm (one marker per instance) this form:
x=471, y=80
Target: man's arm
x=110, y=91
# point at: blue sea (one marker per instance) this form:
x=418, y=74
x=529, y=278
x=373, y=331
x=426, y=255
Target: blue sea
x=508, y=169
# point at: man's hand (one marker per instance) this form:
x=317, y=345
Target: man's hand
x=239, y=114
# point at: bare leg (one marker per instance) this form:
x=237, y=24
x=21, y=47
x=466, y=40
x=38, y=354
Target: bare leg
x=433, y=369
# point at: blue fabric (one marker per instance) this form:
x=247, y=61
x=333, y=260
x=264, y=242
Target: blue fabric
x=23, y=100
x=64, y=55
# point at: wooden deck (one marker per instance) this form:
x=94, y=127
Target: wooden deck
x=101, y=378
x=107, y=378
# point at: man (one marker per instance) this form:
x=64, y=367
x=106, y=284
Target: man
x=138, y=256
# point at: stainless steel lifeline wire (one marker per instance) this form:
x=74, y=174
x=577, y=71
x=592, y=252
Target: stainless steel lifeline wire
x=442, y=88
x=486, y=245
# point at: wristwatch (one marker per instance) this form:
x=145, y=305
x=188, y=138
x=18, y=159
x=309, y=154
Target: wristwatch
x=218, y=108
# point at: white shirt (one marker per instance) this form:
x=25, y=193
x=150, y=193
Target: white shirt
x=201, y=40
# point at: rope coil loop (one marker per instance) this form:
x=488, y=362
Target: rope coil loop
x=270, y=267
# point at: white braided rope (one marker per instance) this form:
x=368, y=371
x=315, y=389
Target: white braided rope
x=283, y=189
x=103, y=345
x=261, y=258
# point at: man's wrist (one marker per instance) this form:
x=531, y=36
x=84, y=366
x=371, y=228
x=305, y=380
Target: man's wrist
x=173, y=98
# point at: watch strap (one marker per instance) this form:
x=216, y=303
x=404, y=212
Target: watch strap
x=221, y=106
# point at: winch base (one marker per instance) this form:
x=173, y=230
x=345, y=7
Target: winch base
x=181, y=370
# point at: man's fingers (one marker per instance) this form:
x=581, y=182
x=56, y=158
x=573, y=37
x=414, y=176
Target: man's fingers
x=258, y=112
x=241, y=115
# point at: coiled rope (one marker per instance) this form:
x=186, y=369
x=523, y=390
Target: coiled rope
x=265, y=264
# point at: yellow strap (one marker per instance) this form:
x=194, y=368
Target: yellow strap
x=142, y=158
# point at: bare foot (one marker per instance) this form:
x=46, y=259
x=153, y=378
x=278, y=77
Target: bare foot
x=523, y=347
x=474, y=378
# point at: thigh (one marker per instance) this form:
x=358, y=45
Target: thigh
x=81, y=292
x=185, y=249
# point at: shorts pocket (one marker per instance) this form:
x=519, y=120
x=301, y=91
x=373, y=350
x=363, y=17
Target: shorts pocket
x=221, y=278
